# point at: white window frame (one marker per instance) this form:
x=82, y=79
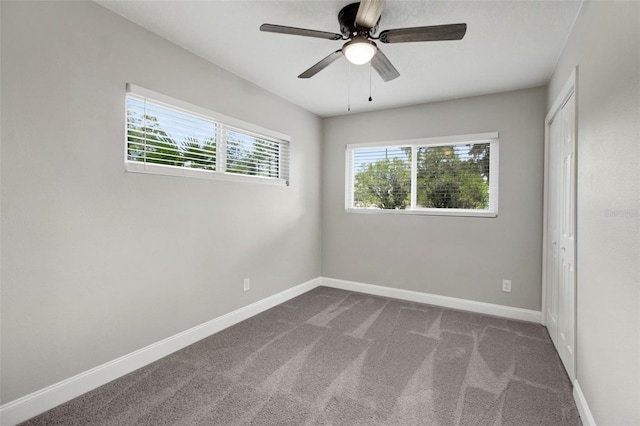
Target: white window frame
x=414, y=144
x=223, y=122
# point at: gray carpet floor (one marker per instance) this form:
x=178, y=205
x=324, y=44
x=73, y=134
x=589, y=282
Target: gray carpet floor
x=333, y=357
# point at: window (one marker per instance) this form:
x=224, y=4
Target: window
x=168, y=136
x=455, y=175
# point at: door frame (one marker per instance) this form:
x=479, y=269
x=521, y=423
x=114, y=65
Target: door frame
x=570, y=88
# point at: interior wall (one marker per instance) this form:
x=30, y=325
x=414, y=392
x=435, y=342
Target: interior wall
x=97, y=262
x=605, y=45
x=463, y=257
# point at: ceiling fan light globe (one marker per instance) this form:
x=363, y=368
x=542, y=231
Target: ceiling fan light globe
x=359, y=51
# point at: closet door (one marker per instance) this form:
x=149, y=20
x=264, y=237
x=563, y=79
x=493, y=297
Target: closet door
x=553, y=234
x=566, y=255
x=560, y=203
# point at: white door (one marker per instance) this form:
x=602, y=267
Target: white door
x=553, y=203
x=560, y=282
x=567, y=281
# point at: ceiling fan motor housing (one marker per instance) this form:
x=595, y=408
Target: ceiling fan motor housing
x=347, y=20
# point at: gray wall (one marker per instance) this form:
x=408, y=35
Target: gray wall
x=605, y=44
x=96, y=262
x=464, y=257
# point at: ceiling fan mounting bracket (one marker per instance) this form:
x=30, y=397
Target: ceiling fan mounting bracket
x=347, y=21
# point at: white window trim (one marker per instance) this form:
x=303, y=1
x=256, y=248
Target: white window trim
x=222, y=121
x=489, y=137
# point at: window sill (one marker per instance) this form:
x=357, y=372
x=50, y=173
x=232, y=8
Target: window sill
x=157, y=169
x=425, y=212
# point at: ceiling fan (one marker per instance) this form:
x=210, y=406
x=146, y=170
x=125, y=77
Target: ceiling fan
x=358, y=24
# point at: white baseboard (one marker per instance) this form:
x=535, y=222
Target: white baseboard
x=583, y=407
x=40, y=401
x=434, y=299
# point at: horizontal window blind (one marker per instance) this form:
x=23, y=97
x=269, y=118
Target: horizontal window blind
x=253, y=155
x=164, y=138
x=382, y=177
x=167, y=136
x=451, y=175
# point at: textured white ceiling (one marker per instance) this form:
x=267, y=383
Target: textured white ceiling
x=509, y=44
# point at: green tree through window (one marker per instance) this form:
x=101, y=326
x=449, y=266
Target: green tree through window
x=450, y=178
x=161, y=136
x=148, y=142
x=385, y=184
x=455, y=176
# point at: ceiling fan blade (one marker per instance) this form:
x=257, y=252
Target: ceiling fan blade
x=383, y=66
x=322, y=64
x=369, y=13
x=270, y=28
x=432, y=33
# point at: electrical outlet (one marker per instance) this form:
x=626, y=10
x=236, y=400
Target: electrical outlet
x=246, y=284
x=506, y=286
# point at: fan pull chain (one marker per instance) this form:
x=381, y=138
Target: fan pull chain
x=370, y=98
x=349, y=89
